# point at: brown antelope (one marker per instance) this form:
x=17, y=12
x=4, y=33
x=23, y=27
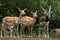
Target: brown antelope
x=44, y=20
x=57, y=32
x=28, y=22
x=10, y=22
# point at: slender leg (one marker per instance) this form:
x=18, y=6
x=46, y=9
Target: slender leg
x=57, y=35
x=48, y=31
x=1, y=33
x=45, y=32
x=11, y=32
x=2, y=30
x=39, y=32
x=17, y=30
x=29, y=30
x=21, y=30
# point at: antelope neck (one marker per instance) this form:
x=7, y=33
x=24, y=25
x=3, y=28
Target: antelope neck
x=47, y=19
x=19, y=18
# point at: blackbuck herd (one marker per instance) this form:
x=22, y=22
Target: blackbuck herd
x=27, y=22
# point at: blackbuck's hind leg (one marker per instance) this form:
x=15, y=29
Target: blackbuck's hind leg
x=11, y=31
x=1, y=34
x=29, y=30
x=45, y=32
x=40, y=27
x=57, y=35
x=48, y=32
x=3, y=30
x=14, y=31
x=17, y=30
x=39, y=32
x=17, y=25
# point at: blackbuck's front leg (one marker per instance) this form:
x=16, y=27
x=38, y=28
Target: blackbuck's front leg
x=48, y=29
x=29, y=30
x=17, y=31
x=45, y=32
x=22, y=30
x=11, y=31
x=32, y=27
x=39, y=31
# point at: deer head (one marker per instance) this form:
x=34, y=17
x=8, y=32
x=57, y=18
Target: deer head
x=47, y=13
x=34, y=14
x=22, y=12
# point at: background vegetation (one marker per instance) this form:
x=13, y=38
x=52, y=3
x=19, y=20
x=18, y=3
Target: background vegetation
x=9, y=8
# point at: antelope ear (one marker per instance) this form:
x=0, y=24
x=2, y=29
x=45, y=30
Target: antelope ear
x=25, y=9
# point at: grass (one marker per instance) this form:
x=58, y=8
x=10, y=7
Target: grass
x=35, y=32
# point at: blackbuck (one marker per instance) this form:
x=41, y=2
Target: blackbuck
x=58, y=33
x=28, y=22
x=11, y=22
x=8, y=22
x=44, y=20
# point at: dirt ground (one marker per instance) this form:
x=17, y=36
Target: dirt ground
x=27, y=38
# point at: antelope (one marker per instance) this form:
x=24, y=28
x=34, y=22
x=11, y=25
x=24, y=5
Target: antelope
x=8, y=22
x=28, y=22
x=57, y=32
x=44, y=20
x=11, y=22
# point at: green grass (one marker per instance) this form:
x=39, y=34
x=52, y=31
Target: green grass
x=35, y=32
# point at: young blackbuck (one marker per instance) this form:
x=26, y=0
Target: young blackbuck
x=28, y=22
x=44, y=20
x=58, y=33
x=8, y=22
x=11, y=22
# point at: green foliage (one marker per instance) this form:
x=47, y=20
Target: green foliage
x=31, y=5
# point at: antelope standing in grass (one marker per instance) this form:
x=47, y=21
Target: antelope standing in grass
x=8, y=22
x=57, y=32
x=11, y=22
x=28, y=22
x=44, y=20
